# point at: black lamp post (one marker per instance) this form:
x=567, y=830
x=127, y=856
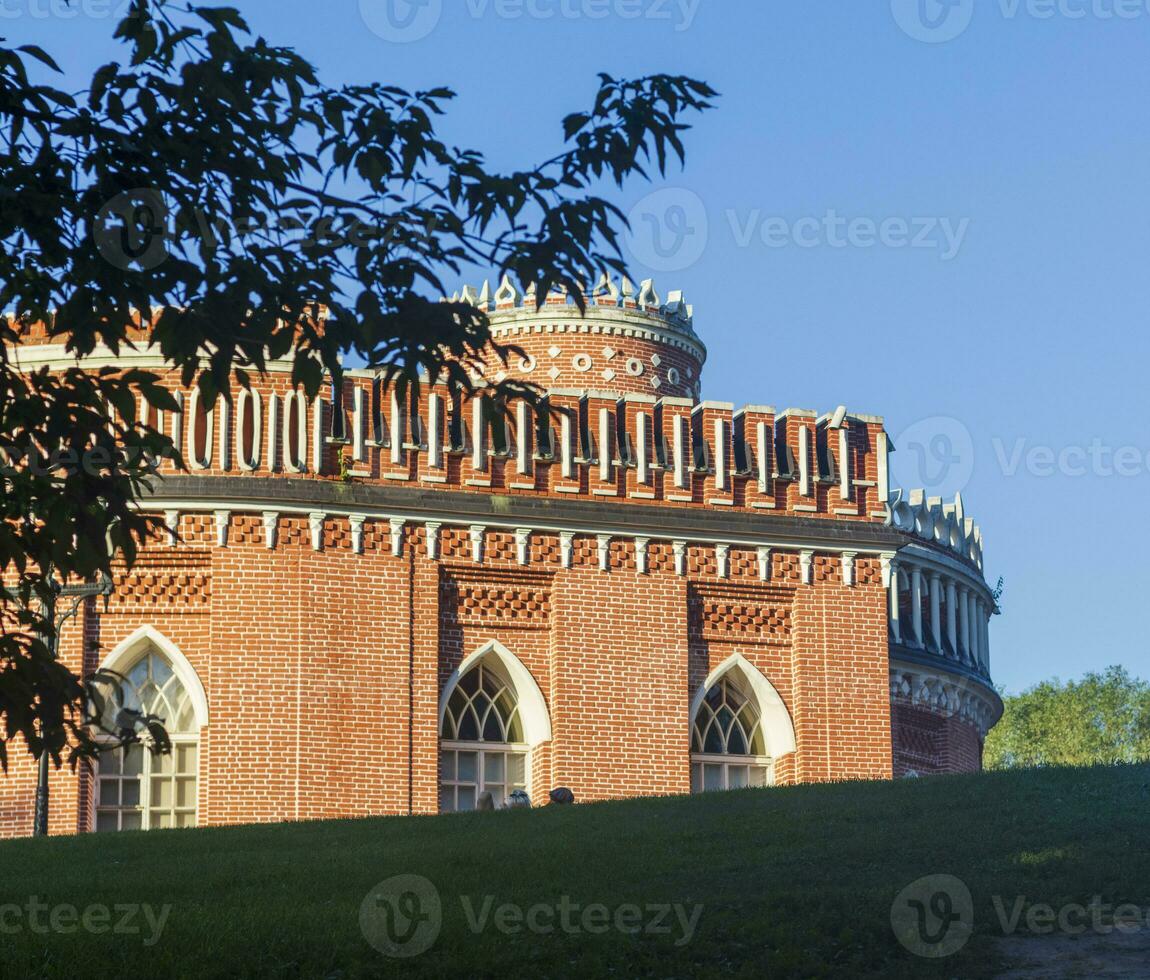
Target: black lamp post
x=78, y=594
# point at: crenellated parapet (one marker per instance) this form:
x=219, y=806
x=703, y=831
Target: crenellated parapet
x=627, y=339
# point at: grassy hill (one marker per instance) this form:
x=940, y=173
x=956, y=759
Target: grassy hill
x=791, y=882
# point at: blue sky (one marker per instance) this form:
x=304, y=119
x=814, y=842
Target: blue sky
x=936, y=213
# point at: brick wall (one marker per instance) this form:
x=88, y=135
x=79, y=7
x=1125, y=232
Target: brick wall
x=323, y=669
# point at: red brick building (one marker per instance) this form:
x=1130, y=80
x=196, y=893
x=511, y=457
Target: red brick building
x=373, y=607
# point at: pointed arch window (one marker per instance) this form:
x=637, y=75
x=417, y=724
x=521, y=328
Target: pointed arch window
x=135, y=789
x=482, y=743
x=728, y=748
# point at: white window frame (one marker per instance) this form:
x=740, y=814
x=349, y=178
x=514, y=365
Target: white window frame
x=144, y=807
x=481, y=750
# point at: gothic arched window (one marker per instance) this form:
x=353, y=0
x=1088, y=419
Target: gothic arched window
x=135, y=789
x=482, y=744
x=727, y=745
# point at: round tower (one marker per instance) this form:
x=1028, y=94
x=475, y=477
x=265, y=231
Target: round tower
x=627, y=341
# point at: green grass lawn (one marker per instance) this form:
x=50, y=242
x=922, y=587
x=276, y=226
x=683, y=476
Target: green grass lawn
x=791, y=882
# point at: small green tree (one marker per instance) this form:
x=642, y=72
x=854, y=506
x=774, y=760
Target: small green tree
x=1102, y=719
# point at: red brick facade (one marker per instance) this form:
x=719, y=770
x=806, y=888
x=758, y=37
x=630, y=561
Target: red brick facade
x=621, y=550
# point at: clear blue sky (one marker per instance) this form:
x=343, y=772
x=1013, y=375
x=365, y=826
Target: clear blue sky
x=1008, y=137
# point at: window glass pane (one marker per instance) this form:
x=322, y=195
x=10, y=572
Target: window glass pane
x=161, y=792
x=134, y=763
x=515, y=728
x=736, y=743
x=517, y=770
x=186, y=792
x=106, y=820
x=492, y=730
x=696, y=777
x=131, y=791
x=447, y=765
x=737, y=777
x=109, y=792
x=758, y=775
x=713, y=743
x=161, y=820
x=161, y=762
x=467, y=767
x=466, y=797
x=497, y=794
x=712, y=777
x=758, y=747
x=131, y=820
x=161, y=672
x=446, y=799
x=185, y=819
x=469, y=683
x=468, y=726
x=492, y=768
x=186, y=759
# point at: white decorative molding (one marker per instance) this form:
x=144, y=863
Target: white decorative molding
x=317, y=440
x=356, y=522
x=432, y=529
x=271, y=526
x=396, y=525
x=223, y=520
x=679, y=549
x=315, y=523
x=764, y=557
x=806, y=566
x=523, y=545
x=566, y=548
x=775, y=721
x=603, y=543
x=476, y=532
x=848, y=559
x=722, y=560
x=641, y=553
x=172, y=523
x=887, y=561
x=128, y=653
x=532, y=706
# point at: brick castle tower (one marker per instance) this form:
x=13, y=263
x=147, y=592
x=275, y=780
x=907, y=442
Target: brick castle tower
x=369, y=605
